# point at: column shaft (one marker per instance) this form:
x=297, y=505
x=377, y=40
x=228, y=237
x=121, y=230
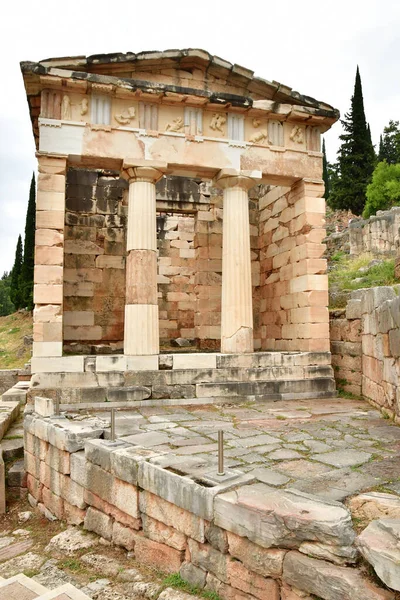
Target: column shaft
x=237, y=299
x=141, y=308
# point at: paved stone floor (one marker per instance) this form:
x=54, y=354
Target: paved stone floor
x=330, y=448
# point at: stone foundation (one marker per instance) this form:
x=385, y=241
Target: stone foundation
x=238, y=538
x=365, y=346
x=183, y=378
x=378, y=234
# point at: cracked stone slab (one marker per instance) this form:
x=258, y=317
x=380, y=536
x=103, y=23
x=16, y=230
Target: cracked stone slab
x=282, y=518
x=343, y=458
x=379, y=544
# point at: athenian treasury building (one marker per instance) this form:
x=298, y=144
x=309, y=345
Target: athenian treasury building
x=179, y=231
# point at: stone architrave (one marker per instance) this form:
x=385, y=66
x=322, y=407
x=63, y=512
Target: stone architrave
x=237, y=302
x=141, y=336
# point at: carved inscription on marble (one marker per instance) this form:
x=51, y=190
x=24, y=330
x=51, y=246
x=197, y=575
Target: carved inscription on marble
x=297, y=134
x=66, y=108
x=217, y=122
x=176, y=125
x=126, y=116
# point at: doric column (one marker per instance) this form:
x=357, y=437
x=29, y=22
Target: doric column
x=49, y=257
x=237, y=301
x=141, y=307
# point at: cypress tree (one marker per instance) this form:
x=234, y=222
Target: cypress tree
x=356, y=156
x=325, y=172
x=15, y=288
x=389, y=146
x=29, y=249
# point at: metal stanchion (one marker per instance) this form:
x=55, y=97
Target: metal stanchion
x=112, y=434
x=221, y=453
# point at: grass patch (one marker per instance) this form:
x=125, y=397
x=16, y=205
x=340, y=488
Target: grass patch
x=13, y=328
x=345, y=270
x=175, y=581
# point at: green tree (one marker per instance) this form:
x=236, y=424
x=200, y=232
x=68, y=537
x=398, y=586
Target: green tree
x=384, y=191
x=325, y=172
x=28, y=261
x=6, y=306
x=389, y=144
x=356, y=157
x=15, y=288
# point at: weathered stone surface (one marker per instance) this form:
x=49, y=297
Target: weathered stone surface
x=328, y=581
x=379, y=544
x=283, y=518
x=123, y=536
x=99, y=523
x=29, y=561
x=339, y=555
x=266, y=562
x=159, y=532
x=250, y=583
x=102, y=564
x=172, y=515
x=209, y=559
x=375, y=505
x=70, y=541
x=193, y=575
x=217, y=537
x=159, y=556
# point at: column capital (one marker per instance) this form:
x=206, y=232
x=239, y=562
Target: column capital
x=143, y=170
x=229, y=178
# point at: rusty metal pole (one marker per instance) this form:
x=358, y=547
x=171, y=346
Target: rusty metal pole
x=221, y=453
x=112, y=434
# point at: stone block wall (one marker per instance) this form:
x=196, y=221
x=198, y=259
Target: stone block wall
x=176, y=278
x=94, y=262
x=232, y=538
x=379, y=234
x=293, y=280
x=366, y=347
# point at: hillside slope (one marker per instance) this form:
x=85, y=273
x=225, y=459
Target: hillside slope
x=15, y=339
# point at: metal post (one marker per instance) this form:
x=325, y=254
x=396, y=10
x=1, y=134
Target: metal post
x=57, y=406
x=112, y=435
x=221, y=453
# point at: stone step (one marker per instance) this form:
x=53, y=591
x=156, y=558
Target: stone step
x=15, y=394
x=13, y=448
x=230, y=374
x=21, y=587
x=268, y=388
x=64, y=592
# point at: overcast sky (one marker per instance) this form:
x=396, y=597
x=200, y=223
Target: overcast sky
x=312, y=46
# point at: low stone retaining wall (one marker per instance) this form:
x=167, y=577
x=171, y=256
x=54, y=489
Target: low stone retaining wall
x=365, y=346
x=240, y=538
x=378, y=234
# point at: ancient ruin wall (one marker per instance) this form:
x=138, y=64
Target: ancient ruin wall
x=94, y=266
x=366, y=347
x=379, y=234
x=293, y=280
x=240, y=539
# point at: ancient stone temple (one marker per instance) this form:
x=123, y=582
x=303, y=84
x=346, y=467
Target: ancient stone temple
x=179, y=197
